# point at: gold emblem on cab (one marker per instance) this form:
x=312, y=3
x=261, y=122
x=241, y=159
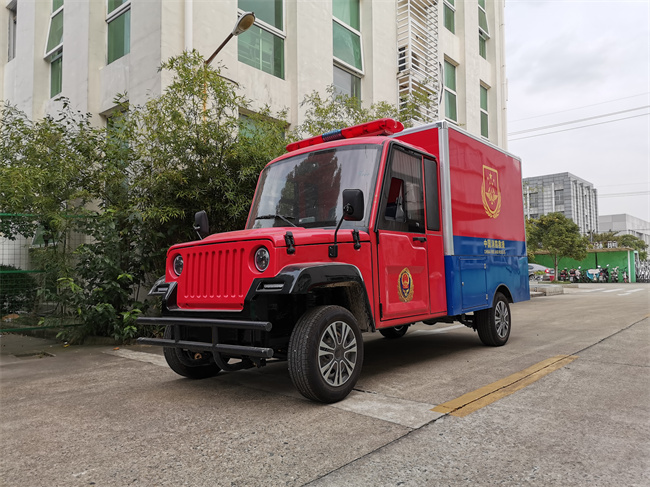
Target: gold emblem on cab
x=490, y=192
x=405, y=285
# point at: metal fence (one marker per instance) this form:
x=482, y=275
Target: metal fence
x=24, y=285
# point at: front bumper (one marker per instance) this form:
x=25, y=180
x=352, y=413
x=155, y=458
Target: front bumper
x=216, y=347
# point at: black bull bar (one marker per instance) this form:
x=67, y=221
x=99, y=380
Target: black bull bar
x=215, y=347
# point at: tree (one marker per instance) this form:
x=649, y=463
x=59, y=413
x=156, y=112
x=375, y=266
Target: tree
x=635, y=243
x=336, y=111
x=558, y=235
x=131, y=188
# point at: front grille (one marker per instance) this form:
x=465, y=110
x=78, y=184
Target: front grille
x=213, y=273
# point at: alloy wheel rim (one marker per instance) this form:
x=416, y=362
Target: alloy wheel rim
x=502, y=319
x=337, y=353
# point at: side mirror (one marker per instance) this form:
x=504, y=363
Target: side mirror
x=353, y=205
x=201, y=224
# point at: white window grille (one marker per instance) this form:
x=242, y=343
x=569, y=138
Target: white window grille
x=418, y=71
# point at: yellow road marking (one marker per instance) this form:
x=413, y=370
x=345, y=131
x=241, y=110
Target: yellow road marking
x=472, y=401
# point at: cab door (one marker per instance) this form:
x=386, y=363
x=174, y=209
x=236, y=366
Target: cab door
x=402, y=240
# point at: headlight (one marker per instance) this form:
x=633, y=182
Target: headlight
x=178, y=265
x=262, y=259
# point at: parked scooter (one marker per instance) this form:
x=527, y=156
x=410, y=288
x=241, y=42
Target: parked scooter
x=593, y=274
x=573, y=275
x=564, y=275
x=614, y=274
x=604, y=274
x=625, y=276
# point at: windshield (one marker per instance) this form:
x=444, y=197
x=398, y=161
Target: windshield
x=306, y=190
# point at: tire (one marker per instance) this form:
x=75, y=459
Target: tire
x=494, y=324
x=185, y=363
x=325, y=354
x=394, y=332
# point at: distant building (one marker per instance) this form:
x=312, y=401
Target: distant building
x=625, y=224
x=564, y=193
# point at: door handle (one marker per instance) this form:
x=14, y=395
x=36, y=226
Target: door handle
x=419, y=239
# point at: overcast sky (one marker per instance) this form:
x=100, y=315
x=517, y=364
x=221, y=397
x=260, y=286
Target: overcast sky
x=573, y=60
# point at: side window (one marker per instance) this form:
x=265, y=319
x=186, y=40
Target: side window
x=433, y=199
x=402, y=207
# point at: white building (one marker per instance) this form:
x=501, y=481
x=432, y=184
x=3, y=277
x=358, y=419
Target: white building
x=380, y=50
x=625, y=224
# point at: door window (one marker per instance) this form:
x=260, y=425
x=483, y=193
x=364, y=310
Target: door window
x=402, y=207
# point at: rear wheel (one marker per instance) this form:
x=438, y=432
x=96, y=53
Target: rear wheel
x=394, y=332
x=188, y=363
x=493, y=324
x=325, y=354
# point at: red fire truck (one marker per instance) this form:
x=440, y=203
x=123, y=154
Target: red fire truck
x=369, y=228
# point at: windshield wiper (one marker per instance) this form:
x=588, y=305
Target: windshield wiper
x=277, y=217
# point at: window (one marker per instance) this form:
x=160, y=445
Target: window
x=482, y=45
x=56, y=75
x=347, y=36
x=484, y=112
x=433, y=203
x=262, y=46
x=559, y=197
x=450, y=91
x=403, y=198
x=54, y=48
x=482, y=18
x=483, y=32
x=119, y=29
x=533, y=200
x=346, y=83
x=449, y=14
x=13, y=16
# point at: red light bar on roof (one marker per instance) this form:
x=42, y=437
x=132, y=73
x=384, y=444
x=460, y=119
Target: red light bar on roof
x=384, y=126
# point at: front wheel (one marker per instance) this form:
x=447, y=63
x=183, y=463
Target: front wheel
x=493, y=324
x=325, y=354
x=193, y=365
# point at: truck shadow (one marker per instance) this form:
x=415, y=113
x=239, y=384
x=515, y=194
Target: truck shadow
x=382, y=355
x=418, y=349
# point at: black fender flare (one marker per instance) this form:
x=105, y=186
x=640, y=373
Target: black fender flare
x=300, y=279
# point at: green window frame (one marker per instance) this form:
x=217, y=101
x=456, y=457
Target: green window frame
x=449, y=15
x=482, y=18
x=482, y=45
x=347, y=41
x=54, y=48
x=262, y=46
x=483, y=30
x=118, y=18
x=451, y=109
x=485, y=128
x=55, y=30
x=56, y=74
x=347, y=11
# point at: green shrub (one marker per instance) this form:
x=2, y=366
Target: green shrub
x=18, y=290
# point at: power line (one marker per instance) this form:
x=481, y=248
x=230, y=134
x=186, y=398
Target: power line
x=623, y=184
x=578, y=121
x=582, y=127
x=616, y=195
x=578, y=108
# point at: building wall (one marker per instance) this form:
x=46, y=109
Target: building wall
x=462, y=49
x=625, y=224
x=565, y=193
x=160, y=29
